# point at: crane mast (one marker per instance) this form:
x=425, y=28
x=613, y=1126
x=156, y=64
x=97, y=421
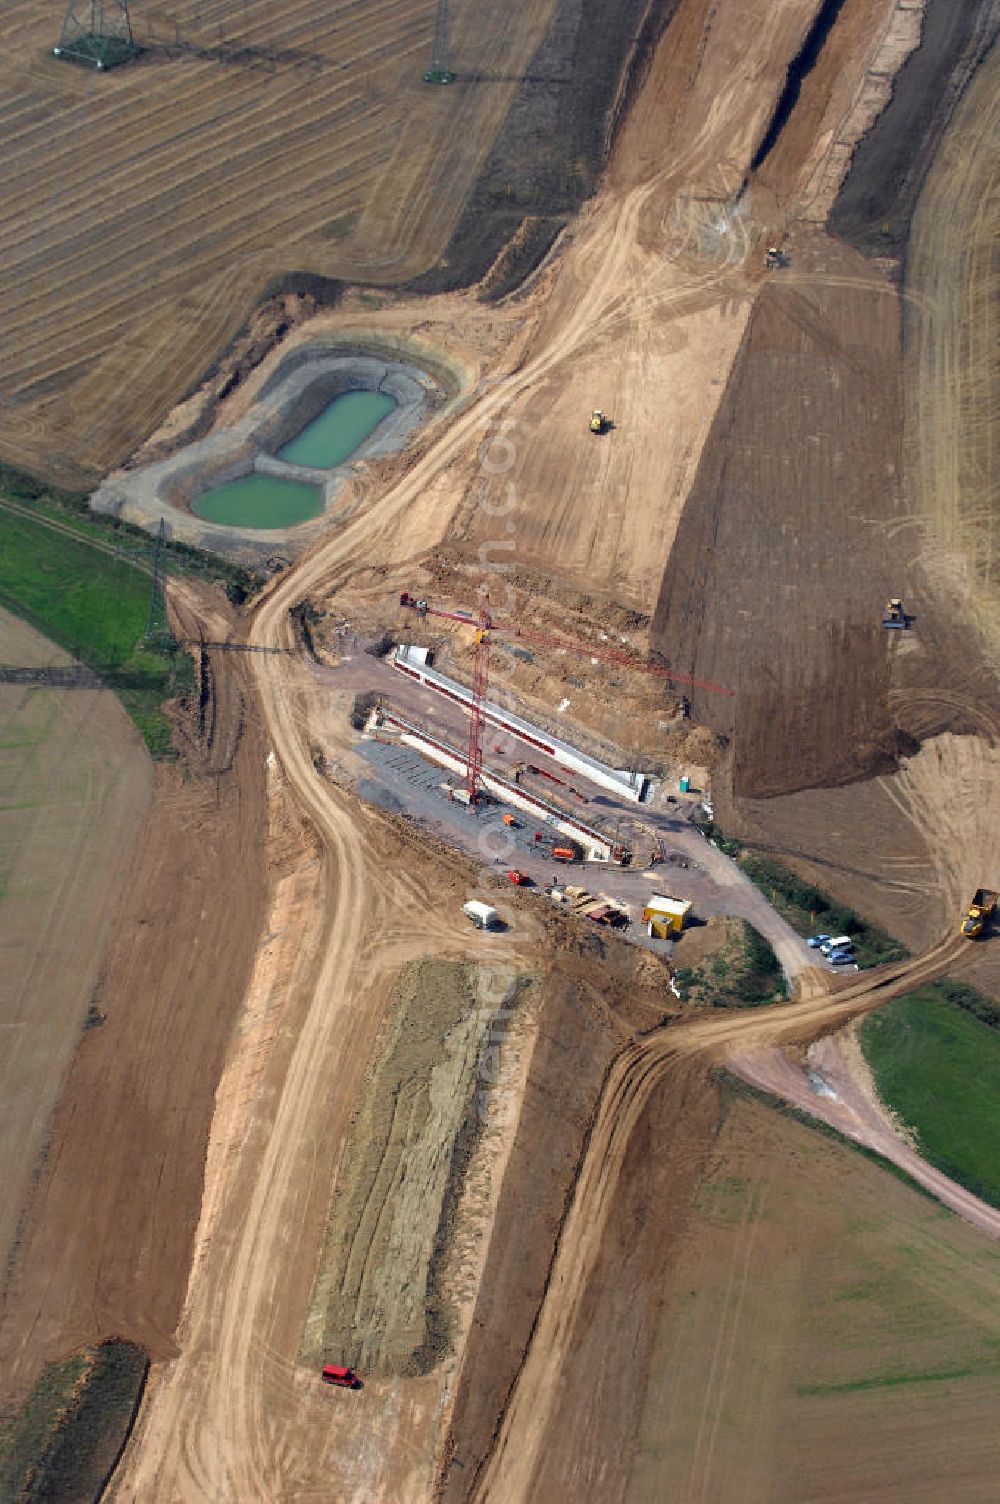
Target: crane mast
x=484, y=627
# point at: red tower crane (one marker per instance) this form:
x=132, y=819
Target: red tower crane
x=480, y=679
x=484, y=626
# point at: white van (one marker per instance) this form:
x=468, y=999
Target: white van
x=838, y=942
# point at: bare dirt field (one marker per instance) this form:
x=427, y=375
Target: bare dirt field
x=74, y=785
x=106, y=1239
x=800, y=475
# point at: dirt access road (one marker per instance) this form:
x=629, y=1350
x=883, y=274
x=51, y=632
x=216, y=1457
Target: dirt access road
x=852, y=1112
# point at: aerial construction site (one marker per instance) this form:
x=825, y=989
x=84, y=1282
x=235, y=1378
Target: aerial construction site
x=500, y=736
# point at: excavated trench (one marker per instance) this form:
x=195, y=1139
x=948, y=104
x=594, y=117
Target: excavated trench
x=799, y=69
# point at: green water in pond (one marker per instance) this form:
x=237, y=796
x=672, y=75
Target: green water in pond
x=337, y=432
x=259, y=501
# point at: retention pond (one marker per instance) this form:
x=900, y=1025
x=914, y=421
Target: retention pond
x=339, y=430
x=261, y=501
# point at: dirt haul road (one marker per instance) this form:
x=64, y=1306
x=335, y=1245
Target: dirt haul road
x=233, y=1417
x=854, y=1113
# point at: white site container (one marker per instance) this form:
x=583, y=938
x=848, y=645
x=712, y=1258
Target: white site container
x=483, y=915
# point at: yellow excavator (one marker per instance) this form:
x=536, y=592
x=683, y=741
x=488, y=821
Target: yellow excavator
x=598, y=422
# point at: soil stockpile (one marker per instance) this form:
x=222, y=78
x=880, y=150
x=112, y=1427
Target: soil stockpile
x=378, y=1303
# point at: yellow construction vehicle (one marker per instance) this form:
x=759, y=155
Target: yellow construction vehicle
x=980, y=909
x=773, y=258
x=895, y=615
x=598, y=421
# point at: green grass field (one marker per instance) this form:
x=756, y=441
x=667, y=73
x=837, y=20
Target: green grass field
x=938, y=1068
x=96, y=606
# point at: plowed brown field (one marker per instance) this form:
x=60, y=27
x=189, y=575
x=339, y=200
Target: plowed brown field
x=75, y=781
x=145, y=210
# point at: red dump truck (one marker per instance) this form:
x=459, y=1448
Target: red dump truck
x=983, y=903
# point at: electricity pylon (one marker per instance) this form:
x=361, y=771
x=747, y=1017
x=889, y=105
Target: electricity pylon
x=158, y=627
x=98, y=33
x=438, y=71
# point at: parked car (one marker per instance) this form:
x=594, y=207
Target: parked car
x=519, y=879
x=842, y=958
x=839, y=942
x=815, y=941
x=344, y=1378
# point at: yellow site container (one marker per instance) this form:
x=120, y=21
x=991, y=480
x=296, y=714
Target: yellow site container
x=668, y=914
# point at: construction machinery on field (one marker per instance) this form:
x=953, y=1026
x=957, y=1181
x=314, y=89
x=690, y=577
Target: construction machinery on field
x=894, y=616
x=983, y=903
x=598, y=422
x=774, y=257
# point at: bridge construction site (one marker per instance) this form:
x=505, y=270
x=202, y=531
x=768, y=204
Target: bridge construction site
x=536, y=811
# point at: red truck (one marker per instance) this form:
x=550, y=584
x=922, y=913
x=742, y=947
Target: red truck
x=344, y=1378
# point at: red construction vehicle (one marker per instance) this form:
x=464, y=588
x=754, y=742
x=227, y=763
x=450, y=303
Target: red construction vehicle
x=519, y=879
x=343, y=1378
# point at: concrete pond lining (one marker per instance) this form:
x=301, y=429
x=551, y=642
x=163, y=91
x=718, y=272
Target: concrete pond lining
x=304, y=385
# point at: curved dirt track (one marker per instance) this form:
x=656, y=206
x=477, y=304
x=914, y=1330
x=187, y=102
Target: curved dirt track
x=636, y=1073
